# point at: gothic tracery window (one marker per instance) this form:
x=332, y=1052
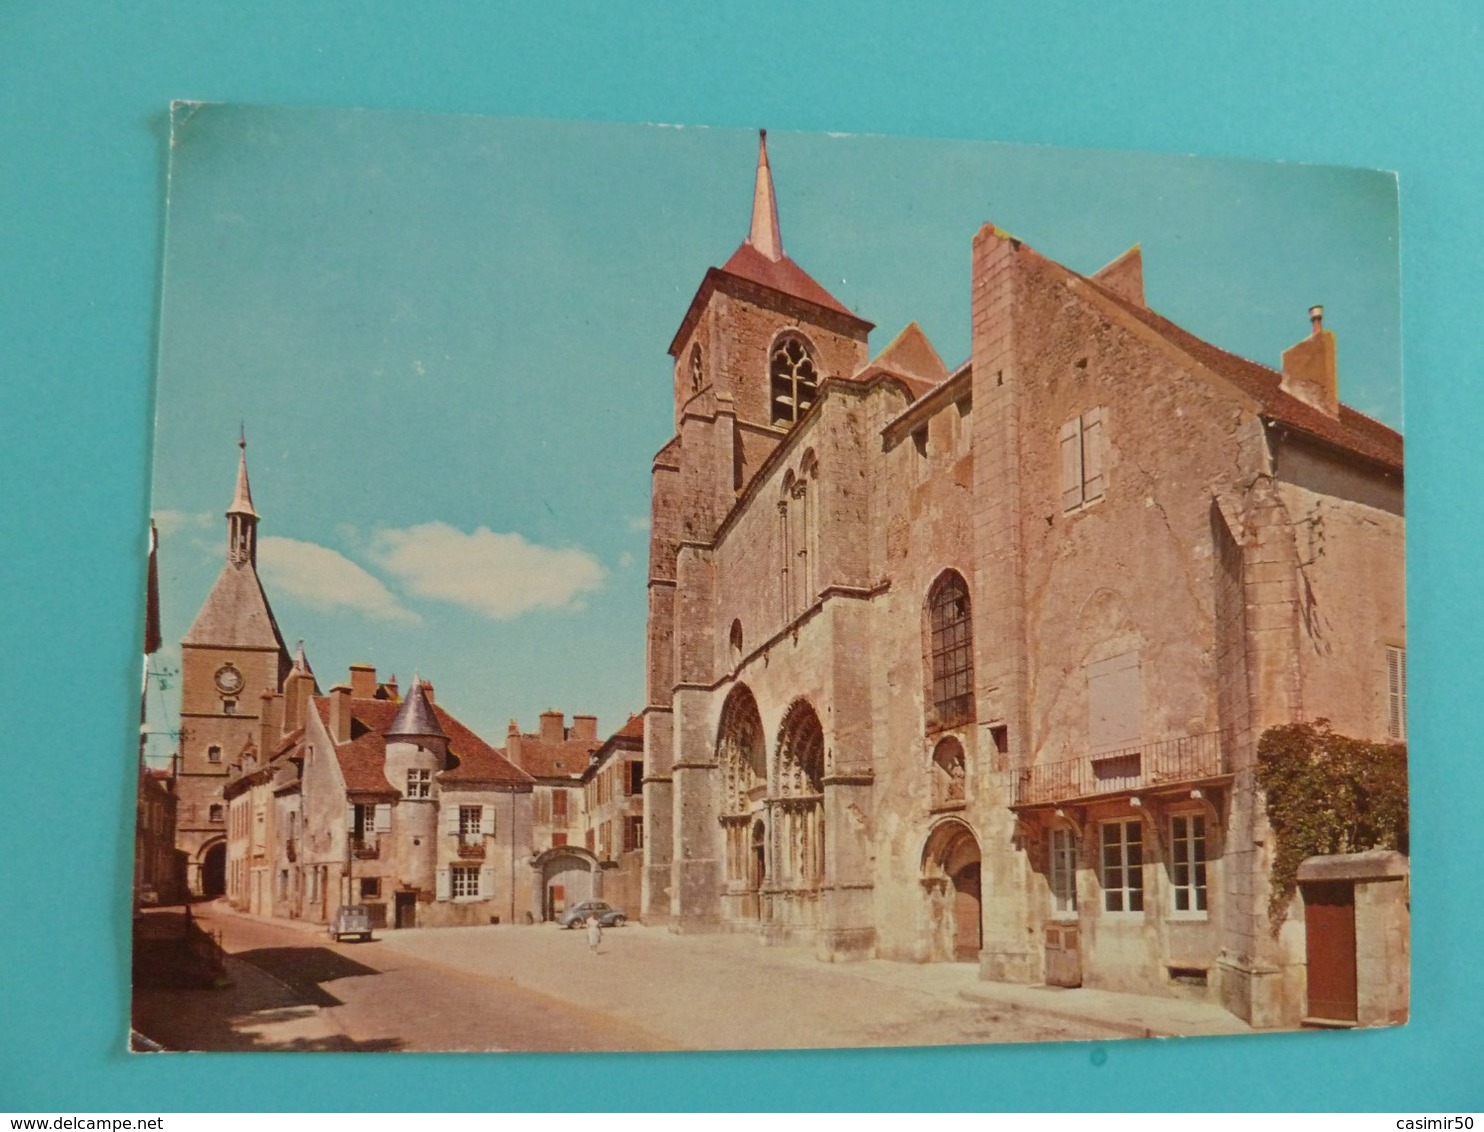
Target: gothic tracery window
x=696, y=369
x=951, y=649
x=793, y=380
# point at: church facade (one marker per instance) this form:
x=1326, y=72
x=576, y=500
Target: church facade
x=972, y=664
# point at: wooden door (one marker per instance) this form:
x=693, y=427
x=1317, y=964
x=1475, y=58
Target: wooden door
x=406, y=910
x=967, y=935
x=1329, y=923
x=1063, y=955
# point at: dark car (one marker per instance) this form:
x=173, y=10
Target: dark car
x=608, y=915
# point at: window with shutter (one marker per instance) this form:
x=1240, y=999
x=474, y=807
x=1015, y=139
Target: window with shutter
x=1113, y=717
x=1396, y=693
x=1082, y=446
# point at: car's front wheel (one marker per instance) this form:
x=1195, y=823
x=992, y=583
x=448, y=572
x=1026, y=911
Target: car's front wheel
x=618, y=921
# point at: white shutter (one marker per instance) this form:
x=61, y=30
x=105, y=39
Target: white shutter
x=487, y=819
x=442, y=884
x=350, y=818
x=450, y=817
x=1071, y=464
x=1396, y=693
x=383, y=817
x=486, y=883
x=1093, y=483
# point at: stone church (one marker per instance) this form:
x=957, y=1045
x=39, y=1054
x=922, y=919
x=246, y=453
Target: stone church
x=971, y=663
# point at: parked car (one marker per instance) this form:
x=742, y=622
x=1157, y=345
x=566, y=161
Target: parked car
x=608, y=915
x=351, y=919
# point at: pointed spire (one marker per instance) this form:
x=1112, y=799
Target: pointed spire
x=416, y=716
x=765, y=236
x=301, y=662
x=242, y=499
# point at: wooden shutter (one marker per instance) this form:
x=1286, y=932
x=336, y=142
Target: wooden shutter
x=442, y=884
x=450, y=817
x=487, y=819
x=1113, y=703
x=350, y=818
x=486, y=883
x=1396, y=693
x=1071, y=464
x=1093, y=483
x=383, y=817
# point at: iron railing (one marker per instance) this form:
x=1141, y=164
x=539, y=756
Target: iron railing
x=1190, y=758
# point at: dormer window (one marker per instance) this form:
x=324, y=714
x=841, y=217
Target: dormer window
x=794, y=380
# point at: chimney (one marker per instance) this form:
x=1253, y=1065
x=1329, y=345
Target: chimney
x=512, y=742
x=296, y=692
x=1309, y=371
x=363, y=681
x=428, y=689
x=553, y=726
x=340, y=713
x=584, y=727
x=271, y=725
x=392, y=692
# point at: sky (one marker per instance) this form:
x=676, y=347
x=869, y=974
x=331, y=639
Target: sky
x=445, y=336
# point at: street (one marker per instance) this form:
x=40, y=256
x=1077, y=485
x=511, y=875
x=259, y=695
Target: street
x=539, y=989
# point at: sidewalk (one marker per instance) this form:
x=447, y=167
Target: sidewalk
x=1136, y=1015
x=733, y=976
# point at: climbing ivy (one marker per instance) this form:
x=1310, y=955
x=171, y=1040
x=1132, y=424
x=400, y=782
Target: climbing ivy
x=1328, y=793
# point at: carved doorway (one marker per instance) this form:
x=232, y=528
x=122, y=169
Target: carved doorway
x=951, y=882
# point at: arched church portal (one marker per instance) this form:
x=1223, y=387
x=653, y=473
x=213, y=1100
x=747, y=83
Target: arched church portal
x=951, y=887
x=743, y=764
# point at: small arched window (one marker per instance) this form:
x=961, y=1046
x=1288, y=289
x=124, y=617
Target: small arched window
x=213, y=754
x=951, y=649
x=734, y=639
x=216, y=813
x=793, y=379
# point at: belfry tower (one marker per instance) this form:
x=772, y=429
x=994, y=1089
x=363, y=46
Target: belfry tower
x=757, y=340
x=232, y=655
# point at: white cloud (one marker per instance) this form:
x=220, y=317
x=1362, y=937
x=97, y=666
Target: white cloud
x=639, y=523
x=173, y=522
x=498, y=575
x=325, y=579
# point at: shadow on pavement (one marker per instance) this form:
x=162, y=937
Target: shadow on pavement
x=305, y=968
x=271, y=1003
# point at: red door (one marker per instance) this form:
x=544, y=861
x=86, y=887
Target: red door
x=1329, y=923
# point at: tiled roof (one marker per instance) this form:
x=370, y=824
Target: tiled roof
x=567, y=759
x=1351, y=430
x=236, y=612
x=363, y=759
x=781, y=274
x=416, y=715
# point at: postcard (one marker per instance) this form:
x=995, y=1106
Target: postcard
x=638, y=587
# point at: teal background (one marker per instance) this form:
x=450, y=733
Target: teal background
x=84, y=90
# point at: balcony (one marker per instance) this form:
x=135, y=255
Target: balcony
x=470, y=848
x=1168, y=764
x=365, y=847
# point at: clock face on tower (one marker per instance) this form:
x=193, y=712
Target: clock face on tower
x=228, y=680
